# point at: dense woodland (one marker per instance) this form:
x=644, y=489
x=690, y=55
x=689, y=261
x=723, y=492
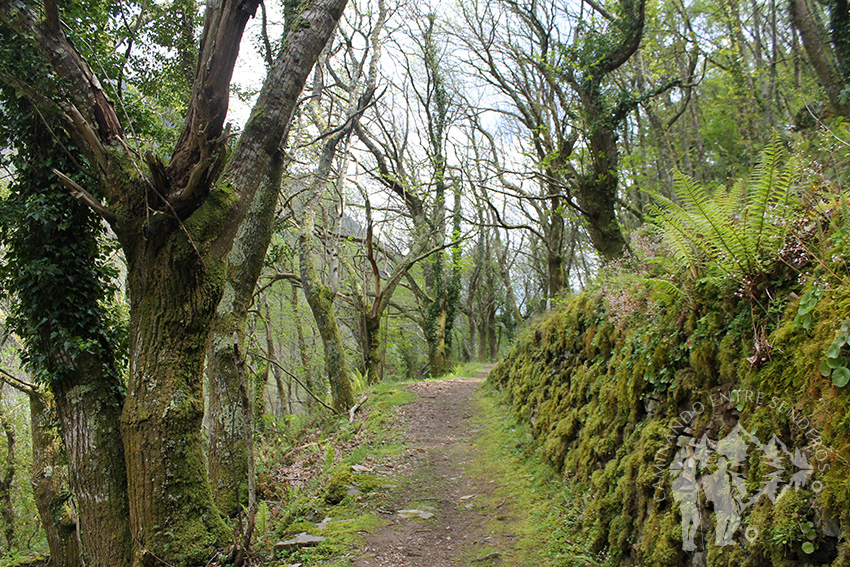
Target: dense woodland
x=412, y=187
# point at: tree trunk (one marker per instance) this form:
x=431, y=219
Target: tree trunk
x=491, y=332
x=482, y=337
x=173, y=299
x=88, y=403
x=839, y=24
x=320, y=299
x=598, y=189
x=435, y=332
x=505, y=274
x=373, y=344
x=227, y=454
x=555, y=269
x=820, y=55
x=306, y=362
x=7, y=508
x=51, y=494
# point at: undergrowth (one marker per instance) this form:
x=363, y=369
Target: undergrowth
x=610, y=381
x=314, y=488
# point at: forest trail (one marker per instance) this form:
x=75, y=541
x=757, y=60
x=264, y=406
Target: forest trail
x=444, y=511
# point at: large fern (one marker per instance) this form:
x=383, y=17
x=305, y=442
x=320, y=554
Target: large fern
x=740, y=230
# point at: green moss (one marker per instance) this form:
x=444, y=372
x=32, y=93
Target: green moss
x=338, y=484
x=602, y=404
x=205, y=224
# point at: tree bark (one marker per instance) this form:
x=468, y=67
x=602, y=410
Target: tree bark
x=320, y=299
x=88, y=403
x=7, y=508
x=819, y=54
x=50, y=492
x=598, y=192
x=373, y=344
x=173, y=298
x=227, y=453
x=306, y=362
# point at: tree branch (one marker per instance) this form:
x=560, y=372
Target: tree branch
x=18, y=384
x=85, y=197
x=291, y=375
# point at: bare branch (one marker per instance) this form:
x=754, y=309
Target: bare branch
x=294, y=377
x=602, y=11
x=18, y=384
x=85, y=197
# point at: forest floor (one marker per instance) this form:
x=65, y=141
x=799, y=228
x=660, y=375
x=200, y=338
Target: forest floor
x=445, y=512
x=447, y=478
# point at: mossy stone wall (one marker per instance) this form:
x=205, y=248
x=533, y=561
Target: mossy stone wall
x=608, y=400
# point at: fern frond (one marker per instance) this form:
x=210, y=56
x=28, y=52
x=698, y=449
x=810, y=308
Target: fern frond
x=719, y=239
x=665, y=288
x=765, y=191
x=731, y=202
x=739, y=228
x=677, y=231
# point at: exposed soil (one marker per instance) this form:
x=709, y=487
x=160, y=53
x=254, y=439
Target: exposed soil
x=433, y=477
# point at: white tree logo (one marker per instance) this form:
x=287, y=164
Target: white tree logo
x=716, y=468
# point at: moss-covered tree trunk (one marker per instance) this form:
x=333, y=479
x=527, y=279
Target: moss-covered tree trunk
x=7, y=507
x=505, y=274
x=306, y=359
x=554, y=232
x=821, y=57
x=320, y=299
x=598, y=189
x=372, y=328
x=439, y=315
x=227, y=455
x=50, y=493
x=174, y=293
x=435, y=333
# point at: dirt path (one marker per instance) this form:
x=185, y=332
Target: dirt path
x=434, y=477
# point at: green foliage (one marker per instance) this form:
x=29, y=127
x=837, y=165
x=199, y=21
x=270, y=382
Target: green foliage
x=739, y=231
x=837, y=362
x=58, y=266
x=28, y=535
x=808, y=302
x=554, y=509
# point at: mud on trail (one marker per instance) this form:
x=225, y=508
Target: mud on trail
x=443, y=511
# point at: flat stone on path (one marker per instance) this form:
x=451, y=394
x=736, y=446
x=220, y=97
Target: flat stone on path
x=417, y=513
x=301, y=540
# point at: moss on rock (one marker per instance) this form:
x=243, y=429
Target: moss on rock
x=611, y=407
